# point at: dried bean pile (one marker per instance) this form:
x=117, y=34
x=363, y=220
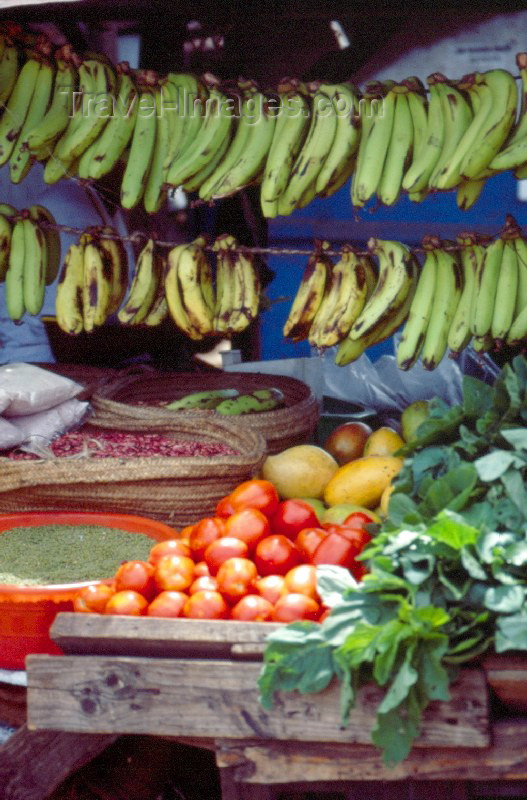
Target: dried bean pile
x=123, y=444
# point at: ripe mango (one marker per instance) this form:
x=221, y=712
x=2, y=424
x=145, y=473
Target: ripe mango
x=300, y=471
x=383, y=442
x=362, y=481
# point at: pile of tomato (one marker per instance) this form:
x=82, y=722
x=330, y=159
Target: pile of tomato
x=255, y=559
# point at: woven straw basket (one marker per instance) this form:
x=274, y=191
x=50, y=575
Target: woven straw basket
x=130, y=401
x=175, y=490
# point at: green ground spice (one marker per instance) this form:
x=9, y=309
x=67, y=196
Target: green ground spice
x=49, y=554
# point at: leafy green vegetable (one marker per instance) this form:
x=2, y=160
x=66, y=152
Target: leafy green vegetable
x=447, y=572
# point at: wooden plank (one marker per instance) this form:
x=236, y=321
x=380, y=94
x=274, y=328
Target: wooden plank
x=211, y=698
x=12, y=704
x=507, y=677
x=32, y=765
x=153, y=637
x=251, y=762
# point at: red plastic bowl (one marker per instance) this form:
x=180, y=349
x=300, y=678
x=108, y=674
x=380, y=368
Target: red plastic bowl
x=26, y=612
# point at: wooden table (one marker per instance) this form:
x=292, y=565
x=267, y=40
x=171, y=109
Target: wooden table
x=196, y=682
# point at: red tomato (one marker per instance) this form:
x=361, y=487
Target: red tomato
x=185, y=533
x=205, y=531
x=271, y=587
x=335, y=549
x=359, y=536
x=358, y=519
x=203, y=582
x=167, y=604
x=128, y=603
x=252, y=608
x=276, y=555
x=292, y=607
x=249, y=525
x=302, y=580
x=169, y=547
x=92, y=599
x=308, y=540
x=138, y=576
x=206, y=605
x=292, y=516
x=224, y=507
x=174, y=573
x=223, y=549
x=325, y=612
x=255, y=493
x=235, y=578
x=201, y=568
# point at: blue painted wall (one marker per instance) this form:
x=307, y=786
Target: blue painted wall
x=334, y=219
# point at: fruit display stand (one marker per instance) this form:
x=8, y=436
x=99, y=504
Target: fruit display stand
x=196, y=682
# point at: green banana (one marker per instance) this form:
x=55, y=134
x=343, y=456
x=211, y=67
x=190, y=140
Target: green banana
x=288, y=137
x=192, y=260
x=17, y=107
x=210, y=398
x=397, y=272
x=257, y=401
x=426, y=156
x=521, y=296
x=14, y=279
x=189, y=95
x=496, y=125
x=56, y=119
x=141, y=151
x=216, y=126
x=35, y=266
x=460, y=333
x=414, y=331
x=485, y=292
x=446, y=298
x=110, y=145
x=340, y=161
x=374, y=144
x=155, y=192
x=98, y=81
x=469, y=192
x=8, y=69
x=315, y=149
x=20, y=161
x=342, y=303
x=173, y=294
x=457, y=115
x=399, y=150
x=506, y=292
x=252, y=160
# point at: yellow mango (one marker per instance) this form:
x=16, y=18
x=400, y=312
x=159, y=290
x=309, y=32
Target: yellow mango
x=362, y=481
x=383, y=442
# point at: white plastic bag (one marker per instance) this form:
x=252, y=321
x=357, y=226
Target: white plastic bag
x=9, y=435
x=31, y=389
x=37, y=431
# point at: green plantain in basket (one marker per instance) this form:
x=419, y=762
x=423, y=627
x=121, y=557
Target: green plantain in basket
x=202, y=400
x=259, y=400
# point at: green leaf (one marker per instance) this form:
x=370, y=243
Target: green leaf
x=505, y=599
x=417, y=567
x=451, y=491
x=477, y=397
x=493, y=465
x=394, y=733
x=517, y=437
x=405, y=678
x=511, y=632
x=332, y=582
x=451, y=529
x=516, y=554
x=431, y=670
x=472, y=565
x=388, y=641
x=402, y=510
x=515, y=488
x=491, y=545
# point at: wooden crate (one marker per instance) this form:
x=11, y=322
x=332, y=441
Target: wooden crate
x=199, y=679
